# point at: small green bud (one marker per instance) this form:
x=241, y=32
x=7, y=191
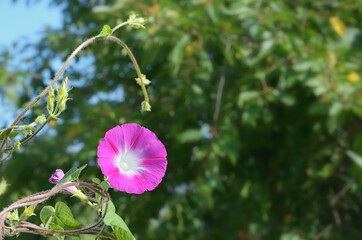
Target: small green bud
x=145, y=106
x=62, y=105
x=29, y=211
x=51, y=92
x=3, y=186
x=28, y=129
x=13, y=215
x=62, y=90
x=136, y=22
x=144, y=80
x=40, y=119
x=17, y=144
x=50, y=103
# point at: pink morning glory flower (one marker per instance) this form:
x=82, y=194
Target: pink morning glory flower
x=132, y=158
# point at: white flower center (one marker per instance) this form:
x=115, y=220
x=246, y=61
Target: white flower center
x=128, y=162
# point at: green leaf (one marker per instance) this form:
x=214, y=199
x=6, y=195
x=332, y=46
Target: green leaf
x=116, y=222
x=46, y=213
x=247, y=96
x=265, y=47
x=121, y=234
x=106, y=31
x=3, y=186
x=355, y=158
x=96, y=180
x=190, y=135
x=70, y=176
x=13, y=134
x=65, y=216
x=177, y=53
x=104, y=185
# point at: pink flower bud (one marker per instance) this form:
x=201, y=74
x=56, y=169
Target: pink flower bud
x=57, y=176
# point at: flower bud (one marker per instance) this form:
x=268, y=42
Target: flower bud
x=40, y=119
x=136, y=22
x=145, y=106
x=57, y=176
x=28, y=211
x=143, y=80
x=13, y=216
x=17, y=144
x=62, y=90
x=62, y=105
x=50, y=103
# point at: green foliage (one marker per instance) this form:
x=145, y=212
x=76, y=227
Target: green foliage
x=117, y=224
x=46, y=213
x=266, y=165
x=106, y=31
x=58, y=218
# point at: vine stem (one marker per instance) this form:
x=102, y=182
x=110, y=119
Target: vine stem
x=43, y=196
x=135, y=64
x=33, y=135
x=74, y=53
x=119, y=26
x=42, y=94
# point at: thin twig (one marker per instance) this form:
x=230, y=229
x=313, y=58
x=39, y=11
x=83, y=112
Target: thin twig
x=135, y=64
x=100, y=231
x=323, y=232
x=220, y=87
x=33, y=135
x=340, y=194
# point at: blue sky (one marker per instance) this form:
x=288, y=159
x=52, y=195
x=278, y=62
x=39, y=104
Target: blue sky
x=21, y=23
x=18, y=20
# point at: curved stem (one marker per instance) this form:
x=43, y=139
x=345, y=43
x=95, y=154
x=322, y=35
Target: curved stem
x=25, y=229
x=119, y=26
x=134, y=61
x=31, y=136
x=74, y=53
x=42, y=94
x=41, y=197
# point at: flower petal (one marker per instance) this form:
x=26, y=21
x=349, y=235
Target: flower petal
x=129, y=184
x=105, y=150
x=153, y=172
x=108, y=166
x=114, y=138
x=148, y=146
x=130, y=132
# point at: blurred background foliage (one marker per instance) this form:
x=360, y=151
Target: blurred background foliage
x=258, y=103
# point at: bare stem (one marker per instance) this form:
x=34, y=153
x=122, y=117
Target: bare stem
x=135, y=64
x=119, y=26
